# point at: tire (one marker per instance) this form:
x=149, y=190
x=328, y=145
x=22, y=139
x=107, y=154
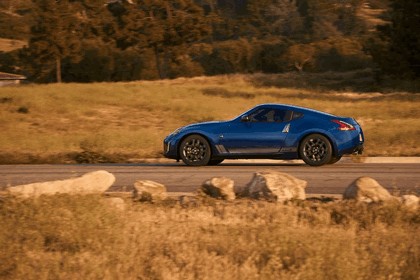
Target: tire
x=215, y=161
x=195, y=150
x=315, y=150
x=334, y=160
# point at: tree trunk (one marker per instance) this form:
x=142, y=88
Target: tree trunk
x=156, y=50
x=168, y=10
x=212, y=6
x=158, y=64
x=58, y=69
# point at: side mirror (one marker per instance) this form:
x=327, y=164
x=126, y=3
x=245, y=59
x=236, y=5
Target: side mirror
x=245, y=118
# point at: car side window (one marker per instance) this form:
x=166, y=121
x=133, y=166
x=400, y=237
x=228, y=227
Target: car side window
x=270, y=115
x=296, y=115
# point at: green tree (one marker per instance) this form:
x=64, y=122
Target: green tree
x=12, y=6
x=183, y=24
x=167, y=28
x=397, y=49
x=285, y=18
x=53, y=38
x=94, y=19
x=9, y=62
x=273, y=18
x=255, y=23
x=330, y=18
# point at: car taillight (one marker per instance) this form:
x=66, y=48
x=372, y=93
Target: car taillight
x=343, y=126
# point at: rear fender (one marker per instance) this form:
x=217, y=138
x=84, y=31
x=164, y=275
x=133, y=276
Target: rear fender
x=323, y=133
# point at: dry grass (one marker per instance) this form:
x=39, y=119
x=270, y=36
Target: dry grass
x=116, y=122
x=83, y=237
x=8, y=45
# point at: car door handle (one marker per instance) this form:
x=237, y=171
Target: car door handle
x=286, y=128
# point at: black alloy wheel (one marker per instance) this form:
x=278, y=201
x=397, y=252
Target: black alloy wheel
x=316, y=150
x=195, y=150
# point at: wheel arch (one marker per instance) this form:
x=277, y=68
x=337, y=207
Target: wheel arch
x=323, y=133
x=194, y=133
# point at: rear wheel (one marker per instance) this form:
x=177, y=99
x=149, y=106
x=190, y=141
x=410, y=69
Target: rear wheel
x=315, y=150
x=195, y=150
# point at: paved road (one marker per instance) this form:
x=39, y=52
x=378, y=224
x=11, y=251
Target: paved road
x=331, y=179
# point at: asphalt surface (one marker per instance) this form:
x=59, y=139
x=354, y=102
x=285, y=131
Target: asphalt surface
x=330, y=179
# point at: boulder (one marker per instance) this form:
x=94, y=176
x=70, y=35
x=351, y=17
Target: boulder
x=95, y=182
x=411, y=201
x=219, y=187
x=276, y=186
x=145, y=190
x=368, y=190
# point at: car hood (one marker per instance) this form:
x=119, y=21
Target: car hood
x=195, y=126
x=202, y=124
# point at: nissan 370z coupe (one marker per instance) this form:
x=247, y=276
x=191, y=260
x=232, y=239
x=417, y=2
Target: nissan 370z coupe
x=268, y=131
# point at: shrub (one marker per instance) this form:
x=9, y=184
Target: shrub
x=84, y=237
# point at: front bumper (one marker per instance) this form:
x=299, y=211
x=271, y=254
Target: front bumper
x=166, y=147
x=169, y=150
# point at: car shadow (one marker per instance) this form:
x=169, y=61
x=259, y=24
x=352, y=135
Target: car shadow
x=221, y=165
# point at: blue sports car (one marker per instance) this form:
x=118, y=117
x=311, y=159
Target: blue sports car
x=269, y=131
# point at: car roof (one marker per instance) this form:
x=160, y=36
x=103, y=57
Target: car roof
x=293, y=107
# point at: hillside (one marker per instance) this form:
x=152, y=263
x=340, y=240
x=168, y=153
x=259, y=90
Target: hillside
x=15, y=19
x=16, y=16
x=111, y=41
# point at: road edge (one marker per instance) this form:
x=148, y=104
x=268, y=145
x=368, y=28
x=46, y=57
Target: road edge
x=350, y=159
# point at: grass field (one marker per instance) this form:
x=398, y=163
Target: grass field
x=83, y=237
x=120, y=122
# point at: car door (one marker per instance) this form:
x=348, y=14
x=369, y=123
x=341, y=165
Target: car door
x=262, y=131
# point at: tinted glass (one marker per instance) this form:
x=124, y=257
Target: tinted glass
x=296, y=115
x=270, y=115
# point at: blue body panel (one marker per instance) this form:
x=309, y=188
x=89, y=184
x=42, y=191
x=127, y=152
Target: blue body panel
x=238, y=138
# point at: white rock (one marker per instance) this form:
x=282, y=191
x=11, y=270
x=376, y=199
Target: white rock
x=411, y=201
x=145, y=190
x=368, y=190
x=275, y=186
x=219, y=187
x=91, y=183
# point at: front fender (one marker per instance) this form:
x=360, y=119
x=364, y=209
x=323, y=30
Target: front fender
x=211, y=138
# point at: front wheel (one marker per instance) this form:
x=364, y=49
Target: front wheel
x=195, y=150
x=315, y=150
